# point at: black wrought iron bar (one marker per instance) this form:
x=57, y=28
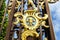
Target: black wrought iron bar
x=50, y=21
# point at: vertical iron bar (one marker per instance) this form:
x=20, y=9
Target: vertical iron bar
x=40, y=35
x=20, y=26
x=22, y=6
x=10, y=21
x=50, y=21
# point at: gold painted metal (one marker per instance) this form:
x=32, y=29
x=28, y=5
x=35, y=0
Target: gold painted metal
x=45, y=38
x=33, y=5
x=41, y=18
x=41, y=4
x=18, y=3
x=44, y=24
x=19, y=17
x=31, y=20
x=10, y=5
x=52, y=1
x=27, y=33
x=9, y=11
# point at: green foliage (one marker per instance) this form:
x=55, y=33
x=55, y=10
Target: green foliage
x=4, y=29
x=2, y=11
x=3, y=33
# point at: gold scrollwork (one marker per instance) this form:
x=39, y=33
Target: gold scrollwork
x=41, y=4
x=41, y=18
x=17, y=4
x=43, y=23
x=31, y=20
x=29, y=33
x=19, y=17
x=33, y=5
x=10, y=5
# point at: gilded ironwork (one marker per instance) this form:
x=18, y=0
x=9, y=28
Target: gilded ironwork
x=33, y=5
x=19, y=17
x=10, y=5
x=31, y=21
x=32, y=18
x=27, y=33
x=41, y=4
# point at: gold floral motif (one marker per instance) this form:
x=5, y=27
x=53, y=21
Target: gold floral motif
x=31, y=19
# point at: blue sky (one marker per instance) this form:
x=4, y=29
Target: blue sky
x=55, y=14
